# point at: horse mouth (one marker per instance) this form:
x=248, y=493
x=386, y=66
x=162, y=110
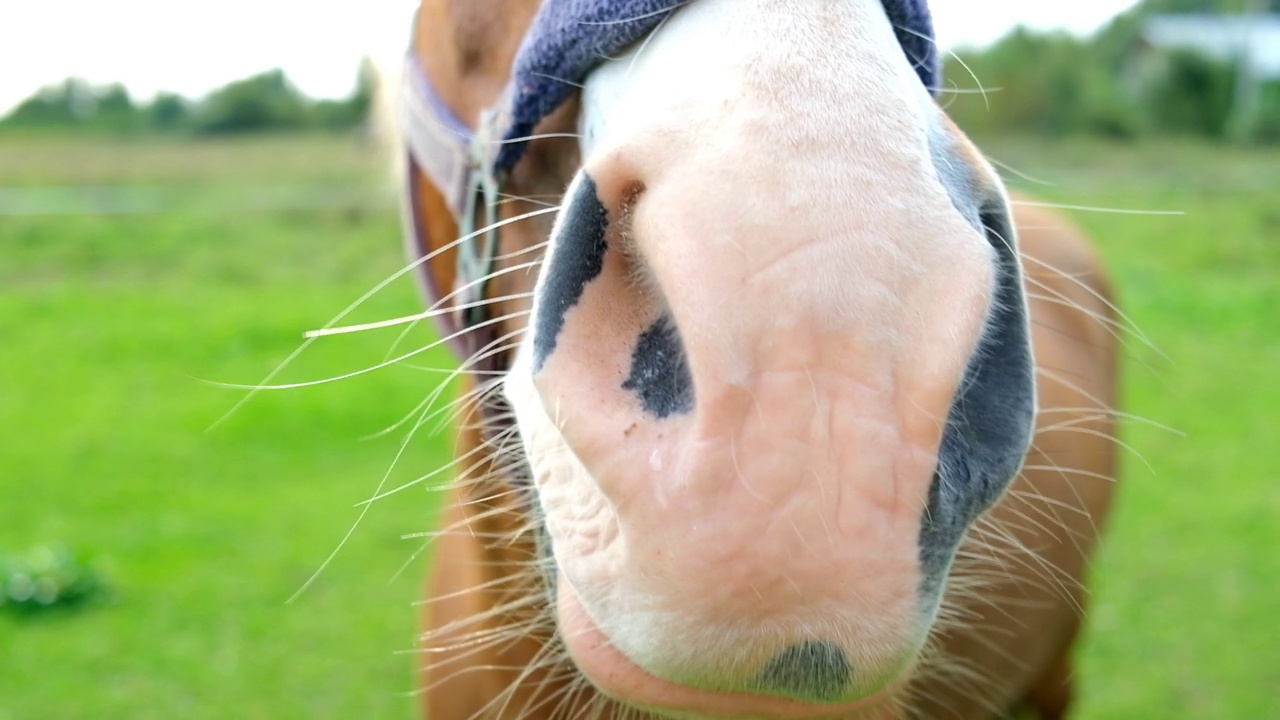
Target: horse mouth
x=621, y=679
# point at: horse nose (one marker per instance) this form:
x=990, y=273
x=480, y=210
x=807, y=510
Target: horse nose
x=697, y=407
x=813, y=670
x=627, y=346
x=737, y=378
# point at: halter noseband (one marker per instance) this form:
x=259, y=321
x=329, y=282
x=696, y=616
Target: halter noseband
x=566, y=41
x=460, y=163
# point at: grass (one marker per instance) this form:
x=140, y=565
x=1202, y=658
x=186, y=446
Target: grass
x=1183, y=622
x=109, y=325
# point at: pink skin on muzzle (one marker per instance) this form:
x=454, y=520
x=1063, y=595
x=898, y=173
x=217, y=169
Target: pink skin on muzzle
x=786, y=505
x=827, y=295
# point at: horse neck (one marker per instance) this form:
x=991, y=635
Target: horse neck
x=467, y=48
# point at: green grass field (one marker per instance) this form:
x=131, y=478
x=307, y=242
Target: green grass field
x=110, y=326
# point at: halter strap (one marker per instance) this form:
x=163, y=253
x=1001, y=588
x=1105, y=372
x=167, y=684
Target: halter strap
x=460, y=163
x=570, y=38
x=439, y=141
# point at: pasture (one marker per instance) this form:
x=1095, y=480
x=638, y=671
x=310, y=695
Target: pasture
x=206, y=262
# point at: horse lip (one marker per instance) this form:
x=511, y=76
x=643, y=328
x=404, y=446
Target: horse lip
x=630, y=684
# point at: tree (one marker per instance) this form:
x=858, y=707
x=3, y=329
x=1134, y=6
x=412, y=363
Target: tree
x=267, y=101
x=76, y=103
x=1112, y=84
x=167, y=112
x=352, y=111
x=69, y=103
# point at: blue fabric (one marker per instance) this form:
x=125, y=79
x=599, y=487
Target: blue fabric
x=569, y=38
x=913, y=25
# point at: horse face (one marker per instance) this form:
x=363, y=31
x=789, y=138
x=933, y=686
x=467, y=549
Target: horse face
x=778, y=363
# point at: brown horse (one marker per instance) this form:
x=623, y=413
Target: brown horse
x=760, y=441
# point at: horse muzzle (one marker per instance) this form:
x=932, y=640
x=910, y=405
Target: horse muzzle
x=774, y=371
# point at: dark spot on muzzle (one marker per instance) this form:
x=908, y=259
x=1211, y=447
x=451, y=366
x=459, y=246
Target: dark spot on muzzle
x=576, y=258
x=990, y=421
x=812, y=670
x=660, y=375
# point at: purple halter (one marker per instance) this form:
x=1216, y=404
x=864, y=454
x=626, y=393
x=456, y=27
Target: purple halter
x=569, y=38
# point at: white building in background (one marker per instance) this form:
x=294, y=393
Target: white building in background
x=1253, y=40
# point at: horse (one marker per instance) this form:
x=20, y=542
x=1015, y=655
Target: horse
x=777, y=405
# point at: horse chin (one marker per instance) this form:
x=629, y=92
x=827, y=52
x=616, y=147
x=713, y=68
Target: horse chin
x=626, y=682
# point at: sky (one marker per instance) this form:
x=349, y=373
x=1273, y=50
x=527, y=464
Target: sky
x=192, y=48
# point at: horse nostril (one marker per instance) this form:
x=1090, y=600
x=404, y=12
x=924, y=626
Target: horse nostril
x=811, y=670
x=660, y=375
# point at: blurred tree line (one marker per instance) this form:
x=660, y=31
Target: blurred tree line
x=267, y=101
x=1113, y=84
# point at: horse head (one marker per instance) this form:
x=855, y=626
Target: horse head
x=776, y=360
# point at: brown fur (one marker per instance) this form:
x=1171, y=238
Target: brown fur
x=1014, y=603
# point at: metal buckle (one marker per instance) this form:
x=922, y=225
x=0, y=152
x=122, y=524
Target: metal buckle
x=476, y=253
